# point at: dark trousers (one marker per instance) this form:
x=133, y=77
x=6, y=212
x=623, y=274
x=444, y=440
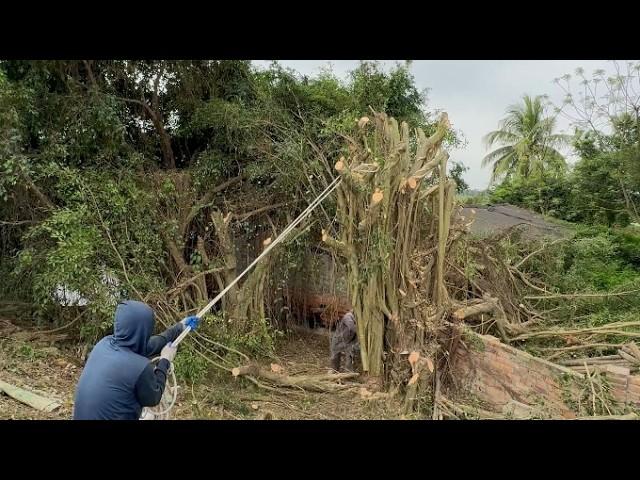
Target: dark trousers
x=349, y=354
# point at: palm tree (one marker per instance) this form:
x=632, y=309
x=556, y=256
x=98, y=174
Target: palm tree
x=528, y=142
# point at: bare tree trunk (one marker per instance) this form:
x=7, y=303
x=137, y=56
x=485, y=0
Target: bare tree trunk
x=89, y=69
x=168, y=158
x=32, y=187
x=225, y=243
x=244, y=305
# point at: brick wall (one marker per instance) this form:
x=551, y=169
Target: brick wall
x=502, y=376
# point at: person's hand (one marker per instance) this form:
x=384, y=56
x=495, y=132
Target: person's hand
x=169, y=352
x=191, y=322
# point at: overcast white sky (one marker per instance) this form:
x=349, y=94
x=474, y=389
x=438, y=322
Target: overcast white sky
x=475, y=93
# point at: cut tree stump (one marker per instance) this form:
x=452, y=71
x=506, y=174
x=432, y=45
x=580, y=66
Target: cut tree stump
x=29, y=398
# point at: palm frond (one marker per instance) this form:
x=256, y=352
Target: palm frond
x=528, y=139
x=495, y=155
x=503, y=166
x=499, y=136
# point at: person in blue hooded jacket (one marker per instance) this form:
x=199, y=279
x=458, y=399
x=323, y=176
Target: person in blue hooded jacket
x=119, y=379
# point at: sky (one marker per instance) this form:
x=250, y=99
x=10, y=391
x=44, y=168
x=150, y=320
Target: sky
x=474, y=93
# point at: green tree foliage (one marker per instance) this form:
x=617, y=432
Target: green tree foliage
x=528, y=142
x=597, y=260
x=106, y=167
x=394, y=93
x=546, y=194
x=456, y=172
x=603, y=187
x=607, y=176
x=606, y=113
x=602, y=191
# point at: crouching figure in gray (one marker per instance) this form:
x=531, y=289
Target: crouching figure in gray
x=345, y=342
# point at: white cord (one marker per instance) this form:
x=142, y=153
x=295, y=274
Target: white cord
x=163, y=414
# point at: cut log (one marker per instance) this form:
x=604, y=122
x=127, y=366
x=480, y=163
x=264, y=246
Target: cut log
x=314, y=383
x=485, y=307
x=29, y=398
x=613, y=359
x=630, y=358
x=632, y=349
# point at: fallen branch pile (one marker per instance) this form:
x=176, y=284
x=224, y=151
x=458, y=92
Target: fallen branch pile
x=313, y=383
x=628, y=356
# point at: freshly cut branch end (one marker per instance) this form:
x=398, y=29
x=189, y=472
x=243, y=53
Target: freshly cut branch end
x=377, y=197
x=363, y=121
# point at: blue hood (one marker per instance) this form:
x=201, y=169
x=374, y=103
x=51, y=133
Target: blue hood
x=133, y=326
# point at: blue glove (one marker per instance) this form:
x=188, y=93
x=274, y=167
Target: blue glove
x=191, y=322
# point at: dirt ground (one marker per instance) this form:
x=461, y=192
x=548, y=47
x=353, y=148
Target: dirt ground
x=53, y=371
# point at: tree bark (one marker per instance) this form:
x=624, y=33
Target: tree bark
x=386, y=218
x=168, y=158
x=31, y=186
x=89, y=69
